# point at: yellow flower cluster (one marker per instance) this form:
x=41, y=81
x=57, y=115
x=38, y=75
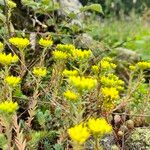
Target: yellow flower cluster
x=112, y=80
x=68, y=73
x=82, y=83
x=45, y=42
x=69, y=51
x=1, y=46
x=59, y=55
x=106, y=63
x=67, y=48
x=8, y=107
x=132, y=67
x=11, y=4
x=79, y=133
x=110, y=93
x=143, y=65
x=39, y=71
x=12, y=81
x=20, y=43
x=96, y=127
x=80, y=55
x=99, y=127
x=8, y=59
x=70, y=95
x=95, y=69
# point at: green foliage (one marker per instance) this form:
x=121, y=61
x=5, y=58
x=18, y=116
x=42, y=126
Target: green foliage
x=43, y=117
x=133, y=34
x=54, y=101
x=92, y=7
x=36, y=137
x=119, y=7
x=3, y=141
x=41, y=6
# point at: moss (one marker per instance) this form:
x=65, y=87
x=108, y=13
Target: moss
x=139, y=139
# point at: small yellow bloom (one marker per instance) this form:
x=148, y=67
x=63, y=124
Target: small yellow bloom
x=132, y=67
x=1, y=46
x=8, y=107
x=70, y=95
x=107, y=59
x=67, y=48
x=112, y=80
x=59, y=55
x=99, y=127
x=11, y=4
x=20, y=43
x=143, y=65
x=8, y=59
x=111, y=93
x=68, y=73
x=108, y=105
x=95, y=69
x=80, y=55
x=45, y=42
x=106, y=63
x=79, y=133
x=82, y=83
x=39, y=71
x=12, y=81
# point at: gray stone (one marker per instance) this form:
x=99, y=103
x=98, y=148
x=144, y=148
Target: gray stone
x=69, y=6
x=139, y=139
x=85, y=41
x=127, y=55
x=108, y=142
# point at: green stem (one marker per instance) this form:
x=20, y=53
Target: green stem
x=23, y=63
x=7, y=14
x=43, y=57
x=77, y=146
x=96, y=144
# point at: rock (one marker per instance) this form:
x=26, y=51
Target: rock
x=69, y=6
x=85, y=41
x=139, y=139
x=108, y=142
x=127, y=55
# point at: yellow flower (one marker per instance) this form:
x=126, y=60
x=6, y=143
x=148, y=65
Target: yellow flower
x=70, y=95
x=70, y=72
x=111, y=93
x=108, y=105
x=79, y=133
x=99, y=127
x=8, y=59
x=82, y=83
x=105, y=63
x=8, y=107
x=20, y=43
x=112, y=80
x=45, y=42
x=39, y=71
x=67, y=48
x=131, y=67
x=12, y=81
x=81, y=55
x=95, y=69
x=59, y=55
x=1, y=46
x=107, y=59
x=11, y=4
x=143, y=65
